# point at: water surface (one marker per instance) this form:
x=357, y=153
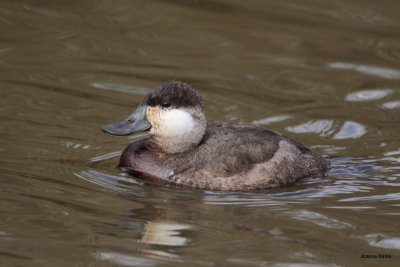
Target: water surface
x=324, y=73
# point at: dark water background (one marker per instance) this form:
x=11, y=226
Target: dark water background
x=326, y=73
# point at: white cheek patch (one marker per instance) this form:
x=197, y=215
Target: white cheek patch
x=175, y=122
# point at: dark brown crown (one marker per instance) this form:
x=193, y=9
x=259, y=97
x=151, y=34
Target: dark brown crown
x=173, y=93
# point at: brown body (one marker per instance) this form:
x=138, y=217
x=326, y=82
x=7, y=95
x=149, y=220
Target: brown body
x=230, y=156
x=184, y=150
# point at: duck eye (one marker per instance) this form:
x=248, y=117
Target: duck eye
x=166, y=104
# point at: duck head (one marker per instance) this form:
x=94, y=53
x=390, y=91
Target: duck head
x=173, y=114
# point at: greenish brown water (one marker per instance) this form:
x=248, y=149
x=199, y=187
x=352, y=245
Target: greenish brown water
x=324, y=73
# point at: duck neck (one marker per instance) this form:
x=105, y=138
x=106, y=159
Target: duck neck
x=180, y=143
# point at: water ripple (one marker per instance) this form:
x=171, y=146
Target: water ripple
x=368, y=95
x=122, y=259
x=318, y=219
x=248, y=262
x=354, y=166
x=383, y=241
x=392, y=196
x=350, y=129
x=106, y=156
x=121, y=87
x=392, y=153
x=272, y=119
x=121, y=183
x=234, y=199
x=372, y=70
x=321, y=127
x=391, y=104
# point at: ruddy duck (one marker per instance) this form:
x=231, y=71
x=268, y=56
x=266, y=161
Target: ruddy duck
x=185, y=150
